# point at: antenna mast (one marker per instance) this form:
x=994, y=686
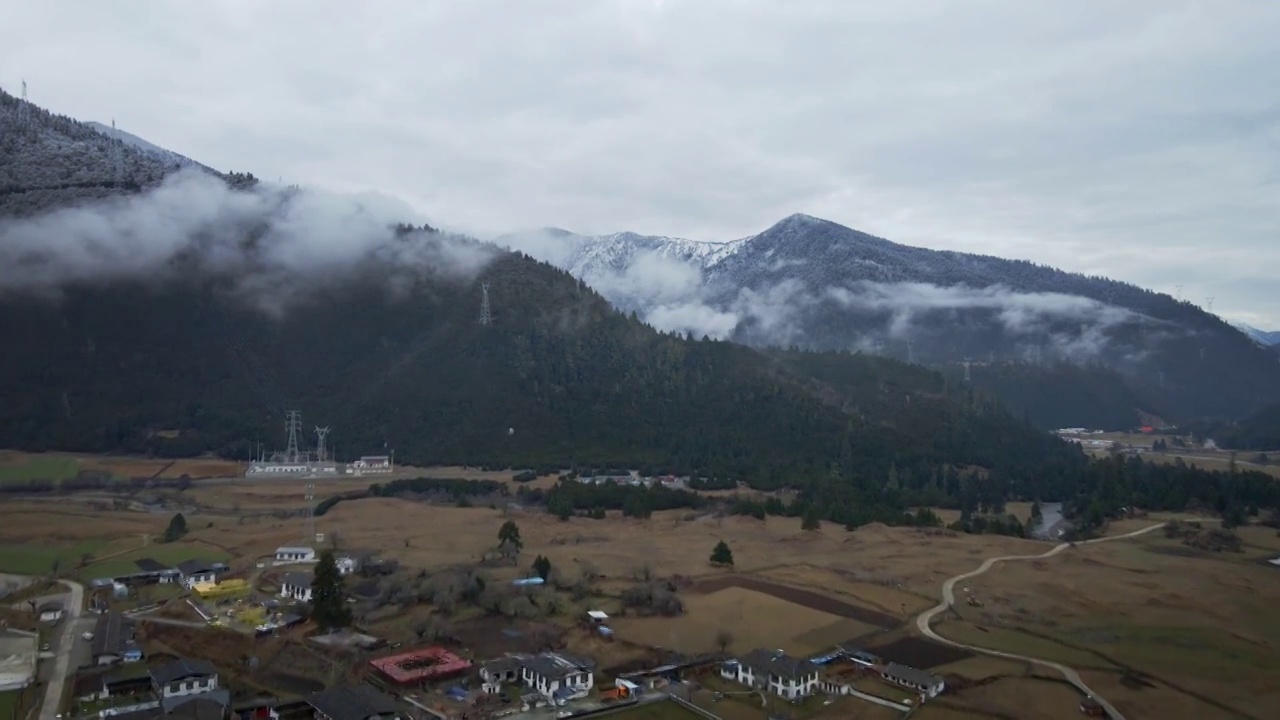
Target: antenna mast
x=293, y=424
x=486, y=318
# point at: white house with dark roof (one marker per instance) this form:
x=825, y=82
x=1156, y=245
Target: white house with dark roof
x=774, y=671
x=184, y=677
x=558, y=676
x=290, y=554
x=909, y=677
x=296, y=586
x=198, y=572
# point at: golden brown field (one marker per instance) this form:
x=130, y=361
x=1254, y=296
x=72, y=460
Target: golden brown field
x=1200, y=457
x=752, y=618
x=1163, y=631
x=1197, y=629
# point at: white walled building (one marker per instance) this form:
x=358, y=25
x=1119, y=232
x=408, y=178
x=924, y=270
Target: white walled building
x=296, y=586
x=295, y=554
x=184, y=677
x=775, y=672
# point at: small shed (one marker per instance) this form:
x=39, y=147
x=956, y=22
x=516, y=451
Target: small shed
x=50, y=612
x=598, y=617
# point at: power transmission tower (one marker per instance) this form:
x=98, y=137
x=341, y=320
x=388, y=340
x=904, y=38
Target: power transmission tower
x=911, y=357
x=322, y=433
x=1178, y=296
x=23, y=107
x=116, y=153
x=486, y=317
x=293, y=424
x=1210, y=308
x=967, y=362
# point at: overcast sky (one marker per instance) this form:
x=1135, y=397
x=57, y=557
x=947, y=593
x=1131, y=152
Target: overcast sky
x=1136, y=139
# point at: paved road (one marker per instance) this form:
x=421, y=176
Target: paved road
x=949, y=598
x=65, y=647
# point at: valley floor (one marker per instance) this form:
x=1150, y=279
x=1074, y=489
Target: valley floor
x=1161, y=629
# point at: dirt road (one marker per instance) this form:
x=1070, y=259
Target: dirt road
x=949, y=598
x=65, y=648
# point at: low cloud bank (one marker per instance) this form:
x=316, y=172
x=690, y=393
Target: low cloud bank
x=277, y=243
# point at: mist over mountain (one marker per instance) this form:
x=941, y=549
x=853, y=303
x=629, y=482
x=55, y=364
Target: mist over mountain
x=1269, y=338
x=815, y=284
x=179, y=311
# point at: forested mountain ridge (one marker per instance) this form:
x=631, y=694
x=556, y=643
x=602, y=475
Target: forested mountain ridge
x=48, y=161
x=559, y=378
x=815, y=284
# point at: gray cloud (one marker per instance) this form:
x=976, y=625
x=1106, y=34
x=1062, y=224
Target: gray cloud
x=1137, y=140
x=274, y=241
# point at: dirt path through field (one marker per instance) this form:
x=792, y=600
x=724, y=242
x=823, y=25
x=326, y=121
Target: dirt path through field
x=813, y=600
x=949, y=598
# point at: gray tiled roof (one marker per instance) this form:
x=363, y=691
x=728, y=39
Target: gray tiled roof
x=182, y=668
x=555, y=666
x=353, y=702
x=772, y=662
x=298, y=579
x=113, y=634
x=899, y=671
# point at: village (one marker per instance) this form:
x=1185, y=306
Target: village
x=131, y=673
x=490, y=608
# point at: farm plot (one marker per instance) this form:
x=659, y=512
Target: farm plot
x=812, y=600
x=21, y=467
x=1024, y=698
x=166, y=554
x=41, y=559
x=752, y=619
x=920, y=653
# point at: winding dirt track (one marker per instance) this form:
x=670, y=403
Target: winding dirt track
x=949, y=598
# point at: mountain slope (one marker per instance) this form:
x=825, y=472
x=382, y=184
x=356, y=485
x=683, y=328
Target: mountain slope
x=559, y=377
x=168, y=156
x=48, y=161
x=816, y=284
x=1269, y=338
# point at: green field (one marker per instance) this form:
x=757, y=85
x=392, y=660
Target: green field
x=31, y=467
x=39, y=559
x=9, y=702
x=167, y=553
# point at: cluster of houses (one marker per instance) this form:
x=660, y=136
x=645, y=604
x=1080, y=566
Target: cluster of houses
x=635, y=479
x=780, y=674
x=190, y=690
x=296, y=585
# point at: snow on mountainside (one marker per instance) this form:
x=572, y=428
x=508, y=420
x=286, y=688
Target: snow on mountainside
x=813, y=283
x=50, y=161
x=137, y=142
x=1266, y=337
